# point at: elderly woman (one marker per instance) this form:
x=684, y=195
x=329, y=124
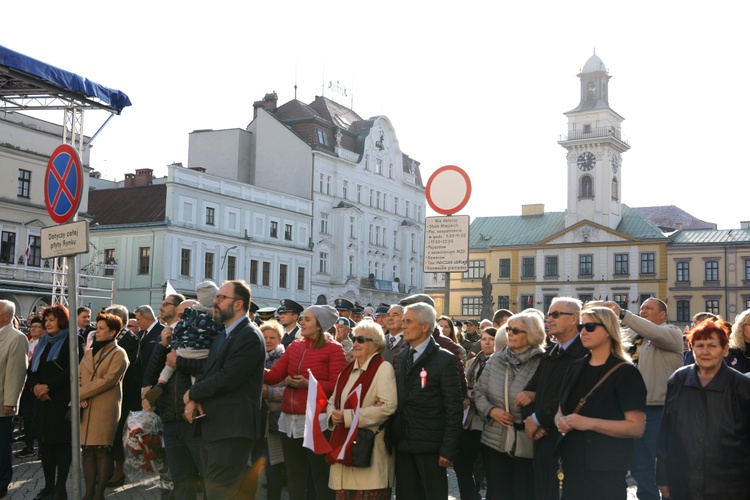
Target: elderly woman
x=705, y=431
x=378, y=401
x=272, y=395
x=598, y=445
x=510, y=477
x=325, y=358
x=469, y=482
x=100, y=377
x=49, y=377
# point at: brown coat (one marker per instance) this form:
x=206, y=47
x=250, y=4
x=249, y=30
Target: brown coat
x=103, y=391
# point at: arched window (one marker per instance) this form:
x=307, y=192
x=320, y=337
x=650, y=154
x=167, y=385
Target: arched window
x=587, y=187
x=615, y=192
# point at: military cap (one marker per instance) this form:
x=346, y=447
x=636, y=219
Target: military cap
x=345, y=321
x=417, y=298
x=382, y=309
x=343, y=305
x=288, y=305
x=254, y=307
x=266, y=313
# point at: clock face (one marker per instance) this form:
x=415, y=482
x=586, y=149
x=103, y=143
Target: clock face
x=614, y=163
x=586, y=161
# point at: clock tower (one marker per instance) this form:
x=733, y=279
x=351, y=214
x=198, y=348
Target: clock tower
x=595, y=146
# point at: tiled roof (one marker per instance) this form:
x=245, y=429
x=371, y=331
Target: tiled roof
x=528, y=230
x=667, y=218
x=129, y=205
x=295, y=110
x=339, y=115
x=711, y=236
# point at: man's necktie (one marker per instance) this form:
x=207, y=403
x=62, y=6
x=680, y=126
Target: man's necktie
x=560, y=351
x=391, y=343
x=410, y=359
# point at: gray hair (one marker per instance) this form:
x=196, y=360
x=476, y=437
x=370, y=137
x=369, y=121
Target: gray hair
x=573, y=305
x=8, y=306
x=120, y=311
x=145, y=311
x=424, y=313
x=372, y=330
x=533, y=325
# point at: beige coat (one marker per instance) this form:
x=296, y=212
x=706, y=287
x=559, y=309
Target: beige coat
x=103, y=392
x=381, y=472
x=14, y=351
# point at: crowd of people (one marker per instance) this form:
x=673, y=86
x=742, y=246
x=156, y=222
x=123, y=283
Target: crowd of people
x=363, y=403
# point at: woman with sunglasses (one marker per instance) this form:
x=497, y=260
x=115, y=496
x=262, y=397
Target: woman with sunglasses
x=378, y=400
x=509, y=478
x=317, y=352
x=598, y=448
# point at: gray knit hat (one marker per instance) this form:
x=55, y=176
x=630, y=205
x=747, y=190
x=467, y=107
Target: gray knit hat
x=325, y=314
x=206, y=291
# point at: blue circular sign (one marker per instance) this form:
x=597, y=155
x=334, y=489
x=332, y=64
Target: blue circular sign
x=63, y=184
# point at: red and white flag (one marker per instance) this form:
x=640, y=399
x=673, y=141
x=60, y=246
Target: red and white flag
x=354, y=429
x=316, y=402
x=27, y=253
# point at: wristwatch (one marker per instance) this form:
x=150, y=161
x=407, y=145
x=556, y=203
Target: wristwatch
x=622, y=314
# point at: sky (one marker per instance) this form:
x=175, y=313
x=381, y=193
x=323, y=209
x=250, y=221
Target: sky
x=475, y=84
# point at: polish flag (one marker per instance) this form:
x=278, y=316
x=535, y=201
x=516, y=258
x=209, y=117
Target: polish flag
x=354, y=429
x=314, y=439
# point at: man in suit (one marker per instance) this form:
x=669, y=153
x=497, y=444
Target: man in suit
x=394, y=338
x=85, y=329
x=150, y=335
x=228, y=394
x=289, y=312
x=562, y=319
x=428, y=421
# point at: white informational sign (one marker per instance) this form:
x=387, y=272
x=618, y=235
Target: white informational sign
x=446, y=244
x=65, y=240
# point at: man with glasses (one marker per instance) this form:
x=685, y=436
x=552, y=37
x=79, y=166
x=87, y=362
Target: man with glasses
x=544, y=390
x=225, y=399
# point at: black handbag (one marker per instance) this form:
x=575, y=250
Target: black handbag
x=363, y=446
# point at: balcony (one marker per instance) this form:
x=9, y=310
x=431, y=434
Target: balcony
x=594, y=133
x=386, y=286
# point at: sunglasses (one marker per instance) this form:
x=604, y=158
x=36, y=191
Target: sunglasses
x=590, y=327
x=557, y=314
x=515, y=331
x=361, y=339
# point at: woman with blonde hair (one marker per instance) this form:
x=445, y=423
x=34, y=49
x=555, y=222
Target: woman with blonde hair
x=739, y=343
x=602, y=411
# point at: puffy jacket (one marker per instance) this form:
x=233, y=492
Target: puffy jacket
x=325, y=363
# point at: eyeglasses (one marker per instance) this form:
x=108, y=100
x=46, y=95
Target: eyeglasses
x=557, y=314
x=515, y=331
x=590, y=327
x=361, y=339
x=220, y=298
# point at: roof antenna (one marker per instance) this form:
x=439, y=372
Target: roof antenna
x=295, y=82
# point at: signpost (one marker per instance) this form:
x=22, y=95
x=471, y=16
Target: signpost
x=63, y=189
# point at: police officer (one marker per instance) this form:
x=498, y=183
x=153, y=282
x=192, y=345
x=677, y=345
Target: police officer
x=289, y=312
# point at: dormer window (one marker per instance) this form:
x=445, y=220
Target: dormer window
x=322, y=139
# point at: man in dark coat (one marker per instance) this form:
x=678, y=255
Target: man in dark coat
x=428, y=421
x=228, y=394
x=150, y=336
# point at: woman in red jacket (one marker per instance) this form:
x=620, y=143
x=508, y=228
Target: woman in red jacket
x=319, y=353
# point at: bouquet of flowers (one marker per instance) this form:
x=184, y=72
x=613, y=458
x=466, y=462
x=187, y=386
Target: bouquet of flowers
x=143, y=443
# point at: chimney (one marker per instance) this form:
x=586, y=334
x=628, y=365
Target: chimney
x=678, y=226
x=534, y=209
x=143, y=177
x=129, y=180
x=268, y=103
x=745, y=224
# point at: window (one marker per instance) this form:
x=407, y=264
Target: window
x=395, y=205
x=471, y=306
x=683, y=271
x=683, y=311
x=322, y=138
x=585, y=297
x=712, y=306
x=648, y=263
x=550, y=267
x=621, y=299
x=406, y=208
x=109, y=259
x=288, y=232
x=210, y=216
x=412, y=273
x=476, y=270
x=359, y=193
x=35, y=252
x=185, y=262
x=254, y=272
x=504, y=268
x=587, y=187
x=379, y=166
x=747, y=269
x=24, y=182
x=528, y=267
x=390, y=170
x=352, y=225
x=587, y=128
x=527, y=301
x=615, y=190
x=371, y=193
x=413, y=242
x=144, y=260
x=395, y=239
x=503, y=302
x=323, y=262
x=266, y=278
x=8, y=248
x=208, y=265
x=328, y=184
x=274, y=229
x=344, y=189
x=231, y=267
x=621, y=264
x=586, y=265
x=300, y=278
x=712, y=270
x=547, y=302
x=370, y=234
x=377, y=200
x=643, y=297
x=322, y=182
x=282, y=275
x=367, y=162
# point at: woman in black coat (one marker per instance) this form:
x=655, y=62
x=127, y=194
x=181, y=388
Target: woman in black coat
x=49, y=376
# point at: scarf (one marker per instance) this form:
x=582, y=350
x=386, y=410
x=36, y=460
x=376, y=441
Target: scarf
x=515, y=361
x=56, y=341
x=340, y=432
x=273, y=356
x=97, y=345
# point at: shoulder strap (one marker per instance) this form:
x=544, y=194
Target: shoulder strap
x=601, y=381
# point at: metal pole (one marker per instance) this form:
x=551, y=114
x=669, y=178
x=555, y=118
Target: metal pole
x=75, y=407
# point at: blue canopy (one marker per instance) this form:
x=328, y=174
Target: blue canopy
x=22, y=77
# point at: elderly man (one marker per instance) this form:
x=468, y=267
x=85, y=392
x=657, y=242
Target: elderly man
x=660, y=356
x=14, y=352
x=562, y=319
x=428, y=421
x=149, y=335
x=394, y=339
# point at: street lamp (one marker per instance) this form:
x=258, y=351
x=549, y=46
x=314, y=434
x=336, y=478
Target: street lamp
x=224, y=260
